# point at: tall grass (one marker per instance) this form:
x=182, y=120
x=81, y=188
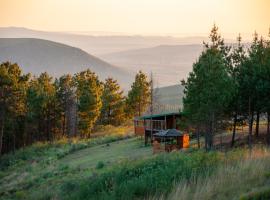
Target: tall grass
x=41, y=151
x=137, y=180
x=243, y=179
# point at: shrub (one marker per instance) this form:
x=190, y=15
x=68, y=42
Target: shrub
x=100, y=165
x=20, y=195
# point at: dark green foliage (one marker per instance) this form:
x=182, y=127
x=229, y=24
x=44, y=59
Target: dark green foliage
x=208, y=88
x=139, y=96
x=13, y=86
x=89, y=91
x=100, y=165
x=112, y=111
x=149, y=177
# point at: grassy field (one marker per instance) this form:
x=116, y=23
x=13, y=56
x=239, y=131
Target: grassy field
x=245, y=178
x=119, y=166
x=27, y=178
x=108, y=154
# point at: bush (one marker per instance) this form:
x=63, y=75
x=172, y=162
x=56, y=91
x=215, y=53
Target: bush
x=100, y=165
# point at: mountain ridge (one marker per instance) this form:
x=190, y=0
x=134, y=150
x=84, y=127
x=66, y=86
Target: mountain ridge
x=38, y=55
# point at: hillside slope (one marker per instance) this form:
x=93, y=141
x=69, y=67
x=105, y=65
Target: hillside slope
x=36, y=56
x=99, y=44
x=169, y=63
x=170, y=95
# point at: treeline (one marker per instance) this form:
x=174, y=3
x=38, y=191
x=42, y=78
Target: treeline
x=229, y=83
x=44, y=108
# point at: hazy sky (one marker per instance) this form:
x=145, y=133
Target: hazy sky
x=145, y=17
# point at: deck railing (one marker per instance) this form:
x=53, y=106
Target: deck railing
x=156, y=124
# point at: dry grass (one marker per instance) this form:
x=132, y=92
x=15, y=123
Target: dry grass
x=232, y=179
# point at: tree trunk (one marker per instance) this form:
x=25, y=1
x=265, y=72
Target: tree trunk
x=257, y=124
x=212, y=128
x=250, y=127
x=268, y=128
x=208, y=137
x=1, y=133
x=234, y=130
x=198, y=138
x=64, y=124
x=14, y=142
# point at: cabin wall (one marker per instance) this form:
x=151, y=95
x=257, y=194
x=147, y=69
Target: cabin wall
x=139, y=131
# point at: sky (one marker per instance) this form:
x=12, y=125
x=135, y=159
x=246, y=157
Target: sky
x=140, y=17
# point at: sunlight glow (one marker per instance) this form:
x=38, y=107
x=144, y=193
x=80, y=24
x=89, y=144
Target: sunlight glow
x=146, y=17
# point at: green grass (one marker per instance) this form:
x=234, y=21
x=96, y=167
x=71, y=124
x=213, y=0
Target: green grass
x=241, y=177
x=117, y=167
x=50, y=165
x=108, y=153
x=141, y=178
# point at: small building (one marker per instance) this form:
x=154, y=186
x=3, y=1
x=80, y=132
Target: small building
x=170, y=140
x=149, y=125
x=164, y=114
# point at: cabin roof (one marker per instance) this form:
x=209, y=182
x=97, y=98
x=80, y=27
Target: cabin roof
x=168, y=133
x=159, y=115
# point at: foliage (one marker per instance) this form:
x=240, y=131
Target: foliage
x=208, y=88
x=89, y=91
x=139, y=96
x=66, y=99
x=112, y=111
x=138, y=180
x=13, y=86
x=100, y=165
x=241, y=176
x=41, y=107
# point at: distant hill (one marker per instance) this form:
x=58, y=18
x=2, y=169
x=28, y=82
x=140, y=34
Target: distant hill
x=169, y=63
x=36, y=56
x=98, y=45
x=167, y=99
x=170, y=95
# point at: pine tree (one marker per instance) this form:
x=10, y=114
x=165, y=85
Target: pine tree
x=13, y=86
x=208, y=88
x=42, y=107
x=251, y=83
x=67, y=104
x=237, y=59
x=267, y=86
x=139, y=96
x=89, y=91
x=112, y=111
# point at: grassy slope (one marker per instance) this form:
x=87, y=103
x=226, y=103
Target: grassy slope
x=245, y=178
x=27, y=179
x=72, y=171
x=88, y=158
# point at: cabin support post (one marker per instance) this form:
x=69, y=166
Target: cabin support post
x=174, y=122
x=165, y=122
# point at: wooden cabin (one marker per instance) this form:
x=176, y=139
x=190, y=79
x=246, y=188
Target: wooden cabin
x=158, y=122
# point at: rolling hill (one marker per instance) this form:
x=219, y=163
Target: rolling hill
x=36, y=56
x=99, y=44
x=170, y=95
x=169, y=63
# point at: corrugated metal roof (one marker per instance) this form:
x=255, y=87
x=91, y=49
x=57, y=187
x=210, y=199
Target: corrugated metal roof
x=159, y=115
x=168, y=133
